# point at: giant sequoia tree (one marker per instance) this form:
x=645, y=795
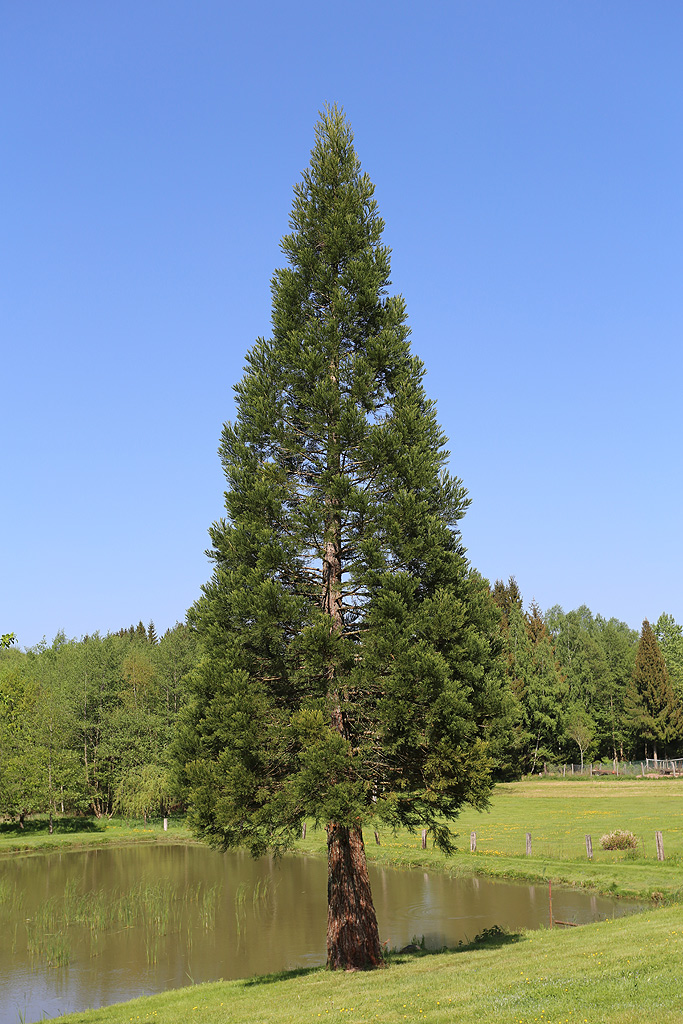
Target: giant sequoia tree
x=346, y=674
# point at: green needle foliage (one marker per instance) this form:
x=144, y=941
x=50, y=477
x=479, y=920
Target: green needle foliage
x=349, y=671
x=652, y=708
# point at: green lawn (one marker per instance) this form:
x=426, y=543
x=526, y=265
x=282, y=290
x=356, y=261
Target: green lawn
x=84, y=833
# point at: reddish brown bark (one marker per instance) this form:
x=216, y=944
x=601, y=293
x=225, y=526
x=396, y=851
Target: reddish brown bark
x=352, y=933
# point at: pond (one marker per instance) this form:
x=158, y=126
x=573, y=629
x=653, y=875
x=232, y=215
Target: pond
x=85, y=929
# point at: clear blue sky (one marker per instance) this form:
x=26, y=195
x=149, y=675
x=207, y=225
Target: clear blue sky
x=528, y=159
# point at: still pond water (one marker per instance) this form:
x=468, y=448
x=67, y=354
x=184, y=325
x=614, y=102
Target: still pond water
x=87, y=929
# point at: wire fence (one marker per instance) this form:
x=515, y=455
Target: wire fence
x=649, y=768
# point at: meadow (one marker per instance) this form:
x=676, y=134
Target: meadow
x=558, y=815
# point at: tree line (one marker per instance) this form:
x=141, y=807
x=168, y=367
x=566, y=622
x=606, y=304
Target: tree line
x=91, y=726
x=587, y=686
x=86, y=726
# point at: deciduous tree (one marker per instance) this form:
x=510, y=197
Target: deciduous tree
x=669, y=634
x=580, y=728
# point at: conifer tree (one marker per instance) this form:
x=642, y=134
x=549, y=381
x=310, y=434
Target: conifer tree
x=506, y=596
x=537, y=682
x=651, y=708
x=345, y=675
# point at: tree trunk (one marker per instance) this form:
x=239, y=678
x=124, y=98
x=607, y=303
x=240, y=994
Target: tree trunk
x=352, y=933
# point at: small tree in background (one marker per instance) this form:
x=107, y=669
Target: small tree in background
x=143, y=791
x=507, y=596
x=580, y=729
x=346, y=670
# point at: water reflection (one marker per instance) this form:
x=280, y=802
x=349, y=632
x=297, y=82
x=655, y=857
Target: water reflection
x=146, y=918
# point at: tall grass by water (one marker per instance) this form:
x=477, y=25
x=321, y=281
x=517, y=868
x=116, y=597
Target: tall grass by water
x=160, y=908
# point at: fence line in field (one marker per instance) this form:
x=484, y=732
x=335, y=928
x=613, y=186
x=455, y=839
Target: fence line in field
x=659, y=844
x=672, y=766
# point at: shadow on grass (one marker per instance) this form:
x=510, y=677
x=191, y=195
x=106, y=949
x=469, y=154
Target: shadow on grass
x=269, y=979
x=41, y=826
x=490, y=938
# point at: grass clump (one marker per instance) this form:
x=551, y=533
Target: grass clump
x=619, y=839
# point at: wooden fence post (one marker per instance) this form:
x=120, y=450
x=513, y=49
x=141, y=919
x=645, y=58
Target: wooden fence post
x=589, y=847
x=528, y=844
x=660, y=845
x=303, y=831
x=473, y=842
x=424, y=838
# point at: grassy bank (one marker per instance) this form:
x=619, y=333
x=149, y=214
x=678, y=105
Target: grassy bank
x=86, y=833
x=558, y=815
x=625, y=972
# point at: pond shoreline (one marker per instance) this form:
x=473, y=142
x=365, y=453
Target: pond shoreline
x=620, y=880
x=113, y=922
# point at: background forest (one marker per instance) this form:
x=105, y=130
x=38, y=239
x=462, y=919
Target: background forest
x=88, y=726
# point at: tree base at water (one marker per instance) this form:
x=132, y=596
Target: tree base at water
x=352, y=933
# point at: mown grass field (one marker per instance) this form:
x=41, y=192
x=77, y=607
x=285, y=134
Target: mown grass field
x=614, y=972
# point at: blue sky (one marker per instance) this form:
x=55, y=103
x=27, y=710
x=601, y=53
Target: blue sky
x=528, y=161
